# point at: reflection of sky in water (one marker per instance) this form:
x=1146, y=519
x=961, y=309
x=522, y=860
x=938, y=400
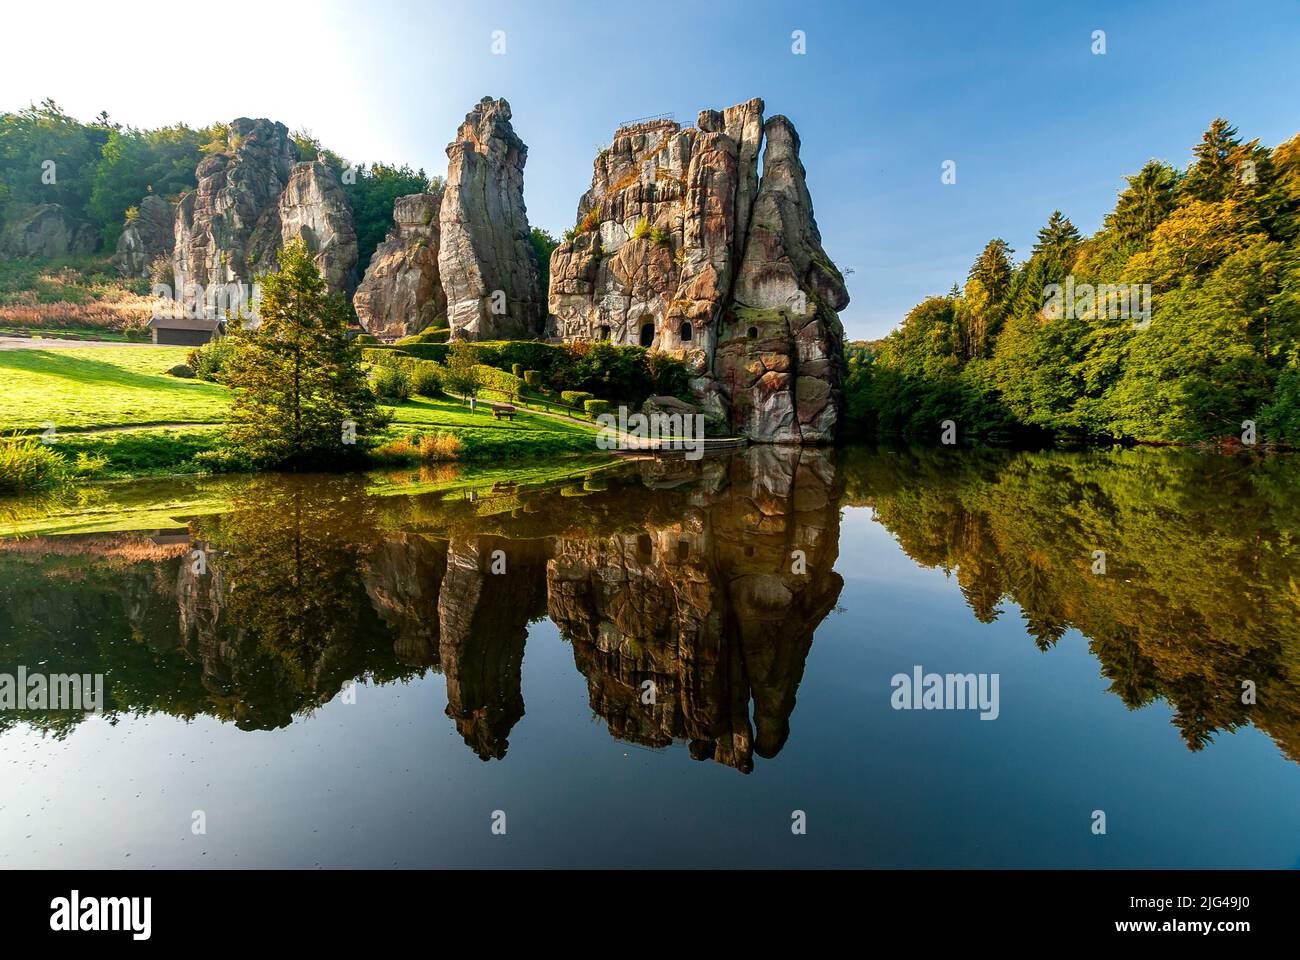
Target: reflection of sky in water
x=389, y=780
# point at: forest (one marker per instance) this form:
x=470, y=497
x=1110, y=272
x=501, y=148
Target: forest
x=1178, y=321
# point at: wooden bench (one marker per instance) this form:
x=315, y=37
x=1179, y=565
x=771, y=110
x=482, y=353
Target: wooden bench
x=499, y=412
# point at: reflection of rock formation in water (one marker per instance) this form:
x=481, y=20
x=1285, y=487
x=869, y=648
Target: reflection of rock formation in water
x=678, y=628
x=402, y=575
x=483, y=621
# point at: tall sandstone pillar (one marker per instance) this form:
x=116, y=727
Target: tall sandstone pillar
x=485, y=258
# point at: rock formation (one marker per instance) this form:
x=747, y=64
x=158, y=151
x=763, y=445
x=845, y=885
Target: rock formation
x=250, y=201
x=781, y=344
x=682, y=248
x=152, y=234
x=485, y=258
x=313, y=209
x=215, y=222
x=401, y=293
x=46, y=230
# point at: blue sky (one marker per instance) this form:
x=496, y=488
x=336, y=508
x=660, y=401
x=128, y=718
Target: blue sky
x=883, y=96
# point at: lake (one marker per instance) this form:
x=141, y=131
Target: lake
x=874, y=658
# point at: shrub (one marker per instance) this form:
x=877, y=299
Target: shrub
x=533, y=378
x=28, y=464
x=642, y=229
x=517, y=369
x=439, y=446
x=182, y=370
x=590, y=221
x=427, y=381
x=595, y=408
x=393, y=383
x=369, y=339
x=660, y=237
x=209, y=361
x=434, y=447
x=576, y=397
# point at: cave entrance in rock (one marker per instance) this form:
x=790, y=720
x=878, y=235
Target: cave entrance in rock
x=647, y=334
x=602, y=332
x=753, y=333
x=686, y=332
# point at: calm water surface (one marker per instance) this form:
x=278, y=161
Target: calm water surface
x=657, y=665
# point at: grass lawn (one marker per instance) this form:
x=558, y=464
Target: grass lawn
x=451, y=414
x=121, y=391
x=81, y=387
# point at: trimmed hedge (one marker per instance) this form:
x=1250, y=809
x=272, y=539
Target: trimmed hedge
x=595, y=408
x=576, y=397
x=436, y=352
x=427, y=335
x=621, y=374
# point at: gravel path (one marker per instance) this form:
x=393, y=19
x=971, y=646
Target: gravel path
x=45, y=343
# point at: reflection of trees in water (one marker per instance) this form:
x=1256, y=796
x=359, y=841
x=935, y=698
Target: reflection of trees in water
x=1202, y=565
x=280, y=620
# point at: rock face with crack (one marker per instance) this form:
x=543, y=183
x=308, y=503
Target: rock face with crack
x=485, y=258
x=781, y=344
x=401, y=293
x=252, y=199
x=681, y=247
x=312, y=208
x=146, y=238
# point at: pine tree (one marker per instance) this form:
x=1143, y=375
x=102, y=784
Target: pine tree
x=985, y=299
x=301, y=393
x=1214, y=174
x=1148, y=199
x=1058, y=239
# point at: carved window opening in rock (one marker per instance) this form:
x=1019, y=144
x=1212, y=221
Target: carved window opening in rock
x=752, y=333
x=683, y=551
x=647, y=334
x=685, y=332
x=602, y=332
x=643, y=547
x=749, y=551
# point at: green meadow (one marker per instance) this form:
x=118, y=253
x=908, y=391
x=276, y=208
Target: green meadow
x=119, y=404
